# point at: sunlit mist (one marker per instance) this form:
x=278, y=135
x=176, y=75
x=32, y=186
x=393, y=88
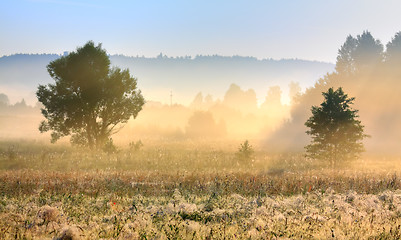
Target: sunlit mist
x=200, y=120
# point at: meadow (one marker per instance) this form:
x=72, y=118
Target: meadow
x=192, y=190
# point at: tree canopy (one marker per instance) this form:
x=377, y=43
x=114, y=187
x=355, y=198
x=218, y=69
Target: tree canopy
x=359, y=54
x=89, y=99
x=336, y=133
x=393, y=52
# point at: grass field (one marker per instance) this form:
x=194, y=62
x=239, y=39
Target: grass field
x=192, y=190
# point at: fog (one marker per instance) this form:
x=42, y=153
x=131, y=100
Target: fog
x=365, y=69
x=236, y=116
x=20, y=75
x=369, y=72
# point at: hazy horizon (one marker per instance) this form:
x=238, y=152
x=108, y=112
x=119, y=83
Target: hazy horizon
x=185, y=77
x=202, y=119
x=311, y=30
x=314, y=32
x=161, y=54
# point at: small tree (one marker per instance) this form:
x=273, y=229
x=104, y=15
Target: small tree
x=336, y=133
x=245, y=152
x=89, y=100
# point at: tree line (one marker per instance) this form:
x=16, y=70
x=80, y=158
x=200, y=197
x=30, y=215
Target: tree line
x=90, y=100
x=368, y=71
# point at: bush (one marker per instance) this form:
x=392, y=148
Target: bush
x=135, y=146
x=245, y=152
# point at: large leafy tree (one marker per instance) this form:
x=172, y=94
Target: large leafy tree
x=89, y=100
x=336, y=133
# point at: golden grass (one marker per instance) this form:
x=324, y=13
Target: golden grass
x=192, y=191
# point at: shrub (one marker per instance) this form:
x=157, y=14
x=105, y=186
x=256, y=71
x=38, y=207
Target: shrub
x=245, y=152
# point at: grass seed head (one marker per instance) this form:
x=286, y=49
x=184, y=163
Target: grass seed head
x=48, y=214
x=69, y=233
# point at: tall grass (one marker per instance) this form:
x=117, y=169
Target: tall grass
x=188, y=190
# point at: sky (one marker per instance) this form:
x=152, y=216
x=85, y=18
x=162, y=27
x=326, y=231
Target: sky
x=309, y=29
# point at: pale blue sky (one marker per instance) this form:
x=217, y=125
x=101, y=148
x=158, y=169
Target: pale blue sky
x=311, y=29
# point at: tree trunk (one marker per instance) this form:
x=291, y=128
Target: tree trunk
x=91, y=143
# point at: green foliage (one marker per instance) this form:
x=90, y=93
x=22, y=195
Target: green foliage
x=336, y=133
x=89, y=100
x=245, y=152
x=373, y=77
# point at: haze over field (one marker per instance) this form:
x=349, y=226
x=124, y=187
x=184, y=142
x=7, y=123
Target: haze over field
x=203, y=119
x=238, y=73
x=239, y=66
x=185, y=77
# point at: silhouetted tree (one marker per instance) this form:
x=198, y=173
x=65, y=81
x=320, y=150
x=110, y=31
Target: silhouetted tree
x=244, y=101
x=368, y=52
x=245, y=152
x=295, y=90
x=208, y=101
x=197, y=103
x=393, y=50
x=272, y=107
x=345, y=62
x=359, y=54
x=202, y=125
x=374, y=81
x=4, y=99
x=20, y=105
x=273, y=99
x=336, y=133
x=89, y=100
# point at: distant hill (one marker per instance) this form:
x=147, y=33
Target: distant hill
x=20, y=74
